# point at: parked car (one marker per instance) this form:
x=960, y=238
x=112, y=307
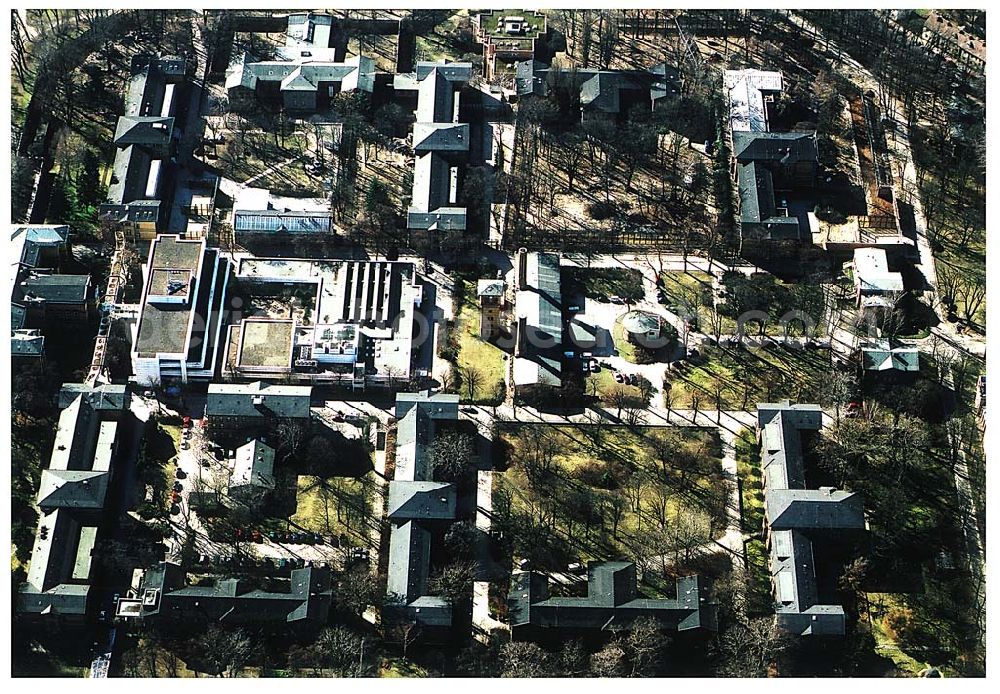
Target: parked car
x=633, y=380
x=185, y=445
x=175, y=497
x=180, y=474
x=470, y=410
x=174, y=509
x=205, y=463
x=586, y=367
x=337, y=417
x=187, y=422
x=595, y=366
x=178, y=487
x=256, y=536
x=317, y=539
x=619, y=378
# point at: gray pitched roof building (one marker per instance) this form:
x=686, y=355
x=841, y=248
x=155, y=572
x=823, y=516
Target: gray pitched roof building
x=143, y=137
x=886, y=354
x=257, y=400
x=796, y=516
x=56, y=289
x=538, y=310
x=414, y=502
x=761, y=156
x=766, y=160
x=440, y=143
x=165, y=594
x=71, y=500
x=600, y=90
x=26, y=343
x=612, y=603
x=303, y=82
x=253, y=467
x=30, y=241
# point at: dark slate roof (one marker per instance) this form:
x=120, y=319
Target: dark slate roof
x=815, y=509
x=434, y=405
x=600, y=90
x=529, y=77
x=784, y=148
x=64, y=599
x=758, y=212
x=232, y=601
x=412, y=499
x=18, y=314
x=793, y=513
x=130, y=174
x=421, y=500
x=72, y=492
x=409, y=562
x=107, y=396
x=886, y=354
x=306, y=75
x=27, y=343
x=152, y=131
x=448, y=137
x=258, y=399
x=57, y=289
x=435, y=134
x=612, y=602
x=136, y=212
x=86, y=489
x=666, y=81
x=27, y=240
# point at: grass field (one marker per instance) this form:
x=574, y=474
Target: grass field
x=334, y=507
x=609, y=492
x=602, y=384
x=689, y=292
x=743, y=377
x=474, y=352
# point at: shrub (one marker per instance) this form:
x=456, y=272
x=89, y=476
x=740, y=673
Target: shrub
x=601, y=210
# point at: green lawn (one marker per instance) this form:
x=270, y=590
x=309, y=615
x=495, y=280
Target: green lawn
x=474, y=352
x=399, y=667
x=600, y=475
x=333, y=507
x=689, y=292
x=602, y=384
x=626, y=350
x=745, y=377
x=751, y=481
